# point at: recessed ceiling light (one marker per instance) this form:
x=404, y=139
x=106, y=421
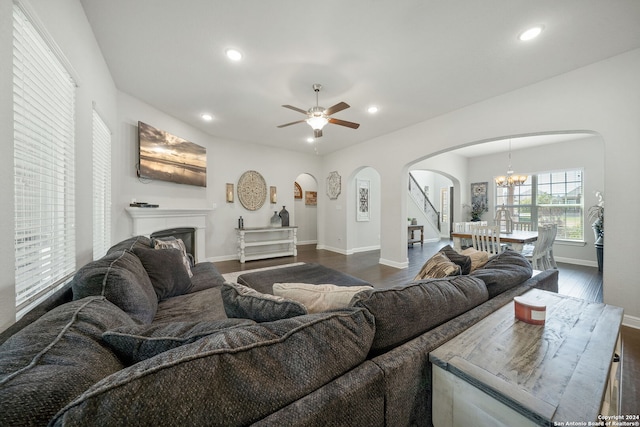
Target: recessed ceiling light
x=233, y=54
x=530, y=34
x=373, y=109
x=310, y=140
x=206, y=117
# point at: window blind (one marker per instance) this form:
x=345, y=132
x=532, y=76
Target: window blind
x=44, y=109
x=101, y=187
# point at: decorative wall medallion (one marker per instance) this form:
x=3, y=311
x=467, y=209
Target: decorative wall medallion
x=252, y=190
x=334, y=186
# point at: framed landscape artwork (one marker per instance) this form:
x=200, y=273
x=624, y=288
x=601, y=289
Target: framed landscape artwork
x=168, y=157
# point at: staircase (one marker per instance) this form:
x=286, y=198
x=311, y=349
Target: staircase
x=422, y=201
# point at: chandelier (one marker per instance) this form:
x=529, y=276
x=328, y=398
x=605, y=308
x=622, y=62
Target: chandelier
x=510, y=179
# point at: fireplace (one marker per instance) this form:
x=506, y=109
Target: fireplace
x=186, y=234
x=147, y=221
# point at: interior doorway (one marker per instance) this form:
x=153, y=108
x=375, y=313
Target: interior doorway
x=305, y=208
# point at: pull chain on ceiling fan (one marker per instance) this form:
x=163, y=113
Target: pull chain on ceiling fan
x=318, y=117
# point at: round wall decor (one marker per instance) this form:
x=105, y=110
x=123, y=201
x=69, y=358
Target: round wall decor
x=334, y=186
x=252, y=190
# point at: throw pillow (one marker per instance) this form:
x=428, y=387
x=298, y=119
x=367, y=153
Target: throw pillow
x=318, y=298
x=172, y=242
x=121, y=278
x=244, y=302
x=462, y=260
x=166, y=271
x=438, y=266
x=135, y=343
x=478, y=258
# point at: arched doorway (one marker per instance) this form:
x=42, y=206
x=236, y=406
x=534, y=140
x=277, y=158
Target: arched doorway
x=305, y=208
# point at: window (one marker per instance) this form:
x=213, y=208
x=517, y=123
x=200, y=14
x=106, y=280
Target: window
x=549, y=197
x=101, y=187
x=44, y=109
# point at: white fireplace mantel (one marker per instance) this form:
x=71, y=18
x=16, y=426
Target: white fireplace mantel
x=148, y=220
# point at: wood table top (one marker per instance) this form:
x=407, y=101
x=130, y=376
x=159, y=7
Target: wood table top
x=552, y=372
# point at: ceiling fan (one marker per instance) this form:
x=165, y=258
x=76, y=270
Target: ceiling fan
x=318, y=116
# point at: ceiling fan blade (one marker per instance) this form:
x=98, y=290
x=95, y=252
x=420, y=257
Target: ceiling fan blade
x=299, y=110
x=317, y=133
x=344, y=123
x=338, y=107
x=292, y=123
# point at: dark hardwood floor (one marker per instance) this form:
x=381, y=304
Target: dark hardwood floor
x=574, y=280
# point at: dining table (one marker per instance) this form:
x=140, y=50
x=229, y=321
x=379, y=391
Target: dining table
x=516, y=239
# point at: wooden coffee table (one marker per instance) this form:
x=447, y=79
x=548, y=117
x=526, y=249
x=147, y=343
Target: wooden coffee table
x=503, y=371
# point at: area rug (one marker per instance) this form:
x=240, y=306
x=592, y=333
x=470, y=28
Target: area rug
x=233, y=277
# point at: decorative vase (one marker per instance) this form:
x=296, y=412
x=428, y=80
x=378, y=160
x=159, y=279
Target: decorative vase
x=276, y=221
x=284, y=216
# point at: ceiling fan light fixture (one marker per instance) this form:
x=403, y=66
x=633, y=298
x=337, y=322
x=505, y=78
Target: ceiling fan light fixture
x=317, y=122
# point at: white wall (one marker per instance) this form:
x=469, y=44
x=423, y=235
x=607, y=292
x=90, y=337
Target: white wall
x=226, y=162
x=306, y=216
x=66, y=24
x=601, y=97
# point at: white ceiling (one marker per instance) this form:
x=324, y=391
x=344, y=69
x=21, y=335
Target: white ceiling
x=415, y=59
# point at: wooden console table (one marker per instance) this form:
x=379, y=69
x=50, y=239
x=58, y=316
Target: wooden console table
x=504, y=372
x=266, y=242
x=412, y=239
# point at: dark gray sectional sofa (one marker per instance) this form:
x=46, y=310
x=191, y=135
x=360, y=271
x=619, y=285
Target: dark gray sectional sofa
x=132, y=342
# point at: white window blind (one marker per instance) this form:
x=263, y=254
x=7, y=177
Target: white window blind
x=44, y=109
x=101, y=187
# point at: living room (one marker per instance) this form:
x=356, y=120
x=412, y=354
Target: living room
x=595, y=98
x=599, y=98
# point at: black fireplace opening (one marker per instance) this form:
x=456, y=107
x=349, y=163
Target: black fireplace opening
x=186, y=234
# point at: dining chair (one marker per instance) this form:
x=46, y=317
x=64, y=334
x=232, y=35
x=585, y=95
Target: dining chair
x=521, y=226
x=541, y=257
x=486, y=238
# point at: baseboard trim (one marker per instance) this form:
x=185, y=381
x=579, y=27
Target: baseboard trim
x=332, y=249
x=307, y=242
x=365, y=249
x=394, y=264
x=576, y=261
x=631, y=321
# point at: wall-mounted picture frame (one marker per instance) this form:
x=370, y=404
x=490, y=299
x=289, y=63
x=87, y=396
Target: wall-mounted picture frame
x=363, y=200
x=297, y=191
x=311, y=198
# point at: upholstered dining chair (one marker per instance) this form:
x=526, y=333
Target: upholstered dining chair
x=486, y=238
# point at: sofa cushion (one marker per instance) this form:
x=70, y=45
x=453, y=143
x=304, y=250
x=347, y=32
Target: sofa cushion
x=131, y=243
x=235, y=377
x=122, y=279
x=198, y=306
x=318, y=298
x=478, y=258
x=504, y=271
x=438, y=266
x=205, y=276
x=463, y=261
x=133, y=343
x=404, y=312
x=166, y=271
x=247, y=303
x=173, y=243
x=53, y=360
